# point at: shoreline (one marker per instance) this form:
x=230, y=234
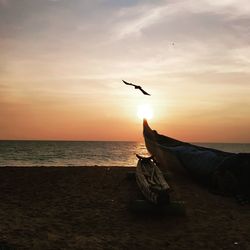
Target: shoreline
x=53, y=166
x=87, y=208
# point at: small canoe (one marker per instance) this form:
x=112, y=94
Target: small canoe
x=151, y=181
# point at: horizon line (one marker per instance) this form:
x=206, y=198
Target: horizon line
x=63, y=140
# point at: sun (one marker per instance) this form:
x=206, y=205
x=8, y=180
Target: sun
x=145, y=111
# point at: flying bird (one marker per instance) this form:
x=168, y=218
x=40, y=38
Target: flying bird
x=137, y=87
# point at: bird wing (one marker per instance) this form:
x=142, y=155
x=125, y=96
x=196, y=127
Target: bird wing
x=143, y=91
x=127, y=83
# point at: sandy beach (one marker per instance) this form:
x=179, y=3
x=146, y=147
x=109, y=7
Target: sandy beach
x=87, y=208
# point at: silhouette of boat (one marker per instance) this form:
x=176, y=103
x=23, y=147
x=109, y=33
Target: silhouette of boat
x=151, y=181
x=224, y=172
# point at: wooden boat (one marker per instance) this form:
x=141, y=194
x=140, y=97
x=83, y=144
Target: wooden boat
x=151, y=181
x=227, y=172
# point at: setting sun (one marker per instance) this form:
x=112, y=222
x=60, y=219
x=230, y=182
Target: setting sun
x=145, y=111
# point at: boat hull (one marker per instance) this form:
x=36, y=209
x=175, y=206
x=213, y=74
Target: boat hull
x=151, y=181
x=225, y=172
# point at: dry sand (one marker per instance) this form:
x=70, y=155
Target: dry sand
x=87, y=208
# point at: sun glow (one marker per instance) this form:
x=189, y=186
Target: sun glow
x=145, y=111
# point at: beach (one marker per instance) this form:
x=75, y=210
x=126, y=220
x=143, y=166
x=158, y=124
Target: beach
x=88, y=208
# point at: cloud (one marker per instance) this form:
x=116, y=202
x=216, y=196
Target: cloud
x=134, y=20
x=230, y=8
x=69, y=40
x=4, y=2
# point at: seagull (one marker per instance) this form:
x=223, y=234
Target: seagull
x=137, y=87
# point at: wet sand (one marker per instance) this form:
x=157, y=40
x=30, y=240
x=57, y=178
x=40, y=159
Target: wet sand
x=87, y=208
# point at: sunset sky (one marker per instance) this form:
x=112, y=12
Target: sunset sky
x=62, y=62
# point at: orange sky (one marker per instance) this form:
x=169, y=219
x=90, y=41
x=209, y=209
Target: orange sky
x=62, y=63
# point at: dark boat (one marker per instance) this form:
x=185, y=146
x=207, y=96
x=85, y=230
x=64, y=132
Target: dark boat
x=151, y=181
x=224, y=172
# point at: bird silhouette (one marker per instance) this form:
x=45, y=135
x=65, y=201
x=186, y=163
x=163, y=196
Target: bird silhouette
x=137, y=87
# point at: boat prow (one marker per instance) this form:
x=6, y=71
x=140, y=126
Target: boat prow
x=155, y=145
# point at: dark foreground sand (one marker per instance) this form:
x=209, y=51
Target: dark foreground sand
x=87, y=208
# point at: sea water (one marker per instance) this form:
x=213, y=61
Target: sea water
x=83, y=153
x=69, y=153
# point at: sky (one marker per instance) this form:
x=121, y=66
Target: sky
x=62, y=62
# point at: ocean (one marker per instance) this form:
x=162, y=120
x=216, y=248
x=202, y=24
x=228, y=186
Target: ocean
x=84, y=153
